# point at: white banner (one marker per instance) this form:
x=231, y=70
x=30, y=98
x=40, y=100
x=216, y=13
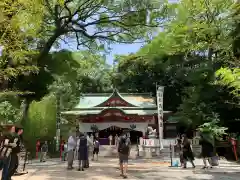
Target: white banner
x=90, y=127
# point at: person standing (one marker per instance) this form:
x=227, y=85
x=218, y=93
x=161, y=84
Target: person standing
x=82, y=152
x=187, y=152
x=207, y=144
x=16, y=151
x=44, y=151
x=123, y=153
x=96, y=145
x=64, y=151
x=71, y=145
x=116, y=140
x=8, y=154
x=110, y=138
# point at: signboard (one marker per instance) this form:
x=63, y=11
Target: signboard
x=149, y=142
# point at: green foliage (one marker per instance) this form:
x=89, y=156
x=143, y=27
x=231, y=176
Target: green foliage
x=9, y=113
x=212, y=127
x=41, y=122
x=197, y=40
x=230, y=78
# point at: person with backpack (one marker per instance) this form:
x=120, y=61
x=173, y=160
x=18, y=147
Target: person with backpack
x=96, y=145
x=123, y=153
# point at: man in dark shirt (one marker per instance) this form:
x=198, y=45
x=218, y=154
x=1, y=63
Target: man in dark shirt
x=123, y=153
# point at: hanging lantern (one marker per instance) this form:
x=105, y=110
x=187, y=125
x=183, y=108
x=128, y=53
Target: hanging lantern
x=97, y=118
x=126, y=118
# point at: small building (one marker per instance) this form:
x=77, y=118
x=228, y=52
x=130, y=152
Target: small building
x=110, y=113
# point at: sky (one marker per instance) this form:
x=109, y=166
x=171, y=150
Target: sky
x=117, y=49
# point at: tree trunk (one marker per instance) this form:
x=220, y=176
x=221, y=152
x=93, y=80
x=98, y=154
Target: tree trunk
x=26, y=105
x=47, y=47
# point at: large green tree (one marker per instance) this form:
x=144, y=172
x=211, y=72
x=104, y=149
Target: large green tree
x=196, y=41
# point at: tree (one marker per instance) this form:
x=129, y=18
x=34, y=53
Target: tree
x=9, y=113
x=93, y=24
x=230, y=78
x=15, y=17
x=195, y=42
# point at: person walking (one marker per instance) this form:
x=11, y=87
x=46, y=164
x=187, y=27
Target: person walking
x=44, y=151
x=123, y=153
x=179, y=151
x=187, y=152
x=207, y=143
x=71, y=145
x=82, y=152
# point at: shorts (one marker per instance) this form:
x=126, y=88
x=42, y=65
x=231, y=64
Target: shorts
x=123, y=158
x=95, y=150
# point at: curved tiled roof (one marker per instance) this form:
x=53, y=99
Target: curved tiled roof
x=138, y=100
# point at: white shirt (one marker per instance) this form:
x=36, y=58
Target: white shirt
x=89, y=141
x=71, y=143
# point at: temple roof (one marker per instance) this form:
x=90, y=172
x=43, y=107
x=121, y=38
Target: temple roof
x=141, y=100
x=135, y=103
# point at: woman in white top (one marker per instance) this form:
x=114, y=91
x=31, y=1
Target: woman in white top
x=71, y=146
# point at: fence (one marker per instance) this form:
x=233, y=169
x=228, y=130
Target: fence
x=165, y=142
x=150, y=147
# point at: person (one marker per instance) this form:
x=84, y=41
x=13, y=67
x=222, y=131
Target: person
x=116, y=140
x=179, y=151
x=16, y=151
x=9, y=152
x=44, y=151
x=96, y=145
x=64, y=151
x=123, y=153
x=71, y=145
x=187, y=152
x=82, y=152
x=89, y=150
x=110, y=138
x=207, y=150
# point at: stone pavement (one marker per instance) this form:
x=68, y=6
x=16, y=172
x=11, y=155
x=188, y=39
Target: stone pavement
x=106, y=169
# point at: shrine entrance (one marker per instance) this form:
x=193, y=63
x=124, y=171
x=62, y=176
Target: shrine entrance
x=113, y=130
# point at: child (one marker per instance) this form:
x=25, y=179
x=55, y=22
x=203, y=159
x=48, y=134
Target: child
x=96, y=145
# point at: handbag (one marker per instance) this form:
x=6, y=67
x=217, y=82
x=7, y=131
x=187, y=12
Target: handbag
x=214, y=161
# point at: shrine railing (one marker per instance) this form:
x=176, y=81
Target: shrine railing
x=165, y=142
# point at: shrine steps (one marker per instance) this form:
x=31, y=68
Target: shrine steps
x=111, y=151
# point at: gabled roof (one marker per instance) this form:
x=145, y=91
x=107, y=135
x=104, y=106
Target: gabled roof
x=136, y=100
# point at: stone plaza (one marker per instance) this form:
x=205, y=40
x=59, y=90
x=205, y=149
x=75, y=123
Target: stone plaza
x=107, y=169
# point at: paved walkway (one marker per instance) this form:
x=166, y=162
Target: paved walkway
x=106, y=169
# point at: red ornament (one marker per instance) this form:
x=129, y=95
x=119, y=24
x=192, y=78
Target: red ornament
x=126, y=118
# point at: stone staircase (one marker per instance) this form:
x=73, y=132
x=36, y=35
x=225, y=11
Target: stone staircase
x=111, y=151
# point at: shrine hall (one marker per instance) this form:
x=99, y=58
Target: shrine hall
x=110, y=113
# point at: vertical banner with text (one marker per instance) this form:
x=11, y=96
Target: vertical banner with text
x=160, y=91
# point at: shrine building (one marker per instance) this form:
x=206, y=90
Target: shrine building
x=110, y=113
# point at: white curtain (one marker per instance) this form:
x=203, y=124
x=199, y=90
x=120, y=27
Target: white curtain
x=88, y=127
